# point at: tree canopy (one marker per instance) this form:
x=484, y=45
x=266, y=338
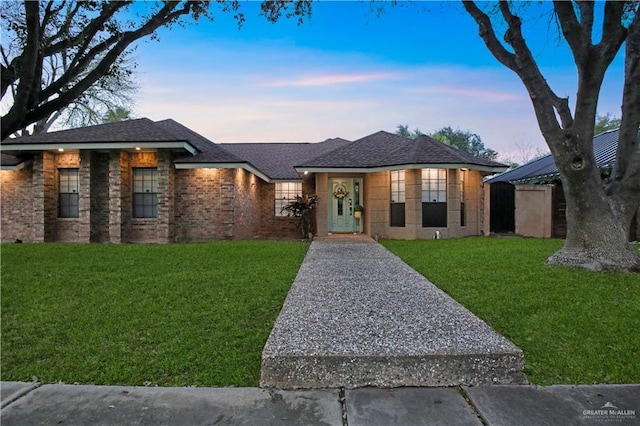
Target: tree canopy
x=466, y=141
x=93, y=39
x=605, y=123
x=463, y=140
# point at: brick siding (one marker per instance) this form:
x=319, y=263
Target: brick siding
x=17, y=212
x=193, y=204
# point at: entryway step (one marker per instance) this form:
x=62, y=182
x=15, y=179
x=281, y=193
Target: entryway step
x=358, y=316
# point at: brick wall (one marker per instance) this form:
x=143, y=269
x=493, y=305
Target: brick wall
x=272, y=226
x=16, y=205
x=72, y=229
x=246, y=205
x=144, y=230
x=99, y=203
x=204, y=204
x=193, y=204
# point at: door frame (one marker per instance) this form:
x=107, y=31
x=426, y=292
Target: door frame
x=356, y=196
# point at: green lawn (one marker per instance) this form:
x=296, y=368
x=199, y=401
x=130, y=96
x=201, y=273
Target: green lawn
x=574, y=326
x=173, y=315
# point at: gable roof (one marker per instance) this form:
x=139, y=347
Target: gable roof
x=128, y=134
x=277, y=160
x=605, y=146
x=208, y=152
x=387, y=151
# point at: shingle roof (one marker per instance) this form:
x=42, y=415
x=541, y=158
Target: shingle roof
x=209, y=151
x=605, y=146
x=7, y=160
x=277, y=160
x=138, y=130
x=383, y=149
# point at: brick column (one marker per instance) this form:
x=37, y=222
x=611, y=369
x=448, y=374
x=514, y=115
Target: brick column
x=84, y=203
x=44, y=197
x=413, y=202
x=38, y=198
x=115, y=196
x=165, y=197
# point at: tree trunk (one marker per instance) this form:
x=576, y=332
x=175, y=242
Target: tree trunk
x=597, y=236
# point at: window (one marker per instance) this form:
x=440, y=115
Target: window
x=463, y=178
x=145, y=193
x=397, y=198
x=434, y=198
x=68, y=193
x=285, y=193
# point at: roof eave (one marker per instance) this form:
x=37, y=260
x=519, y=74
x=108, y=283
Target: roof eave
x=222, y=165
x=15, y=167
x=21, y=147
x=481, y=168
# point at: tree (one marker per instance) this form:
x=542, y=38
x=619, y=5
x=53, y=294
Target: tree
x=93, y=36
x=464, y=141
x=403, y=130
x=605, y=122
x=116, y=114
x=599, y=213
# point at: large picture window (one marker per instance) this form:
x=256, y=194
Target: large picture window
x=397, y=209
x=285, y=193
x=68, y=193
x=434, y=198
x=145, y=193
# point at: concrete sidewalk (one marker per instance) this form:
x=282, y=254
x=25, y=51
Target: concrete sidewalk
x=491, y=405
x=357, y=315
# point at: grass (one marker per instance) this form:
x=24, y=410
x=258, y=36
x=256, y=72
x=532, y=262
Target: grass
x=169, y=315
x=574, y=326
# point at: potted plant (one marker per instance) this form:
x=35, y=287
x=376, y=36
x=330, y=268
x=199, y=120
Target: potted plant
x=358, y=210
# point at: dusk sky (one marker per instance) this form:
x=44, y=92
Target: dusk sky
x=349, y=72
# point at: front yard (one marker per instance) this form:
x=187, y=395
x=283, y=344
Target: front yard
x=170, y=315
x=199, y=314
x=574, y=326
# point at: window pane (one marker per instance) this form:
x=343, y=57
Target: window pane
x=68, y=197
x=397, y=214
x=434, y=215
x=285, y=192
x=145, y=192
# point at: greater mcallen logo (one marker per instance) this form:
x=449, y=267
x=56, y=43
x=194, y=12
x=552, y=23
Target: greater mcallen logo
x=609, y=412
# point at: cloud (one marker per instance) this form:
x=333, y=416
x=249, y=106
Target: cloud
x=330, y=79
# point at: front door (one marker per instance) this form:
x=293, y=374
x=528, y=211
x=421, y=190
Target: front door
x=345, y=194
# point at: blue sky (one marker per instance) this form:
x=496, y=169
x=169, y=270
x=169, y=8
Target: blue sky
x=350, y=71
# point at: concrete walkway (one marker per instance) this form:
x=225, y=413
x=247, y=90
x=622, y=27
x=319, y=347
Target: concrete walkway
x=489, y=405
x=357, y=316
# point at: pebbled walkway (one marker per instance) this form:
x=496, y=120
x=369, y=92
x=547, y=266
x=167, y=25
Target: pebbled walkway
x=357, y=316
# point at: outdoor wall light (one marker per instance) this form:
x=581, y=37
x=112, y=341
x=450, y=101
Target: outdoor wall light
x=60, y=149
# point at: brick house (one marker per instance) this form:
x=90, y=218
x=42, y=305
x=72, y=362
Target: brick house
x=145, y=181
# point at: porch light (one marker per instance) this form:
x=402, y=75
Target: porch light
x=60, y=149
x=306, y=172
x=137, y=148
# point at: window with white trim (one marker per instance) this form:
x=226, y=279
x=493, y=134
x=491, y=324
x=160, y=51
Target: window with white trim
x=145, y=192
x=397, y=208
x=285, y=193
x=68, y=193
x=434, y=198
